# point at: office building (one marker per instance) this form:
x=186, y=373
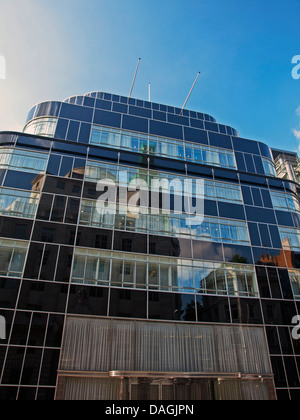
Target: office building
x=154, y=304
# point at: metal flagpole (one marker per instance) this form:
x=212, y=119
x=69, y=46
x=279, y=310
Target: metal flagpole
x=134, y=79
x=189, y=94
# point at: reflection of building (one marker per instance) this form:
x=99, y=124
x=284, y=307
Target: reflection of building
x=102, y=305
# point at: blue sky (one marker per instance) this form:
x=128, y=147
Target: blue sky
x=58, y=48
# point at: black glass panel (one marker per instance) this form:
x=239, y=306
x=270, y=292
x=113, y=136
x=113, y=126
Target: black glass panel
x=48, y=263
x=212, y=309
x=78, y=168
x=240, y=161
x=13, y=365
x=43, y=296
x=94, y=238
x=49, y=367
x=9, y=292
x=20, y=328
x=173, y=247
x=247, y=196
x=284, y=218
x=285, y=284
x=292, y=259
x=15, y=228
x=257, y=199
x=245, y=311
x=63, y=186
x=269, y=256
x=291, y=371
x=130, y=242
x=278, y=312
x=34, y=259
x=274, y=283
x=273, y=340
x=104, y=154
x=249, y=163
x=54, y=330
x=58, y=209
x=54, y=233
x=278, y=370
x=209, y=251
x=125, y=303
x=37, y=329
x=31, y=368
x=244, y=145
x=285, y=336
x=171, y=306
x=237, y=254
x=263, y=283
x=64, y=264
x=88, y=300
x=135, y=123
x=267, y=202
x=72, y=211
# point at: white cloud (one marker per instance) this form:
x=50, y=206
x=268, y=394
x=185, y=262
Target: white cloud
x=297, y=133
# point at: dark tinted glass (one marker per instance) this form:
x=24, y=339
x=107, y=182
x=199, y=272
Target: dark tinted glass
x=88, y=300
x=128, y=303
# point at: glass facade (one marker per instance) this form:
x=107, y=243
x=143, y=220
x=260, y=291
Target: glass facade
x=228, y=279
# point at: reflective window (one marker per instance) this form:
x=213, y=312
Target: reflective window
x=12, y=257
x=172, y=224
x=213, y=190
x=118, y=139
x=285, y=201
x=18, y=203
x=295, y=280
x=269, y=167
x=161, y=273
x=23, y=160
x=42, y=127
x=290, y=238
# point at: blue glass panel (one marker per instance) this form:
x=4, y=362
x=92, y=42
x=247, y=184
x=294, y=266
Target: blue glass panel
x=22, y=180
x=257, y=197
x=211, y=126
x=161, y=116
x=258, y=165
x=254, y=234
x=238, y=254
x=231, y=211
x=75, y=112
x=265, y=150
x=240, y=161
x=120, y=108
x=110, y=119
x=210, y=208
x=48, y=109
x=135, y=124
x=195, y=136
x=89, y=101
x=284, y=218
x=244, y=145
x=176, y=119
x=247, y=195
x=101, y=104
x=71, y=148
x=30, y=114
x=220, y=140
x=33, y=142
x=61, y=129
x=105, y=154
x=140, y=112
x=266, y=198
x=249, y=163
x=54, y=164
x=207, y=251
x=263, y=215
x=84, y=133
x=265, y=236
x=197, y=123
x=73, y=131
x=275, y=237
x=202, y=171
x=66, y=167
x=166, y=129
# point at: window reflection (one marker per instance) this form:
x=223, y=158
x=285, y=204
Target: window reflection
x=42, y=127
x=104, y=268
x=118, y=139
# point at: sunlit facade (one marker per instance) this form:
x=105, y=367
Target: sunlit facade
x=100, y=304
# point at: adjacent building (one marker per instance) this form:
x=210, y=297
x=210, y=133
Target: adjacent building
x=153, y=303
